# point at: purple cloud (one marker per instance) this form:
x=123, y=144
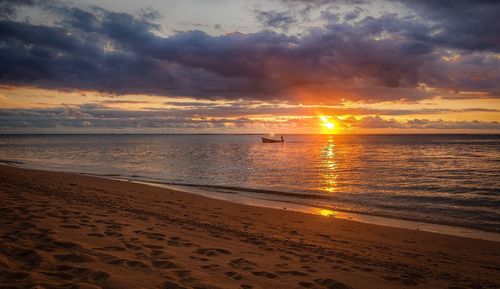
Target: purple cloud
x=370, y=59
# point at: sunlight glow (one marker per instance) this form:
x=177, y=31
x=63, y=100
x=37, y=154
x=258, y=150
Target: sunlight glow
x=328, y=124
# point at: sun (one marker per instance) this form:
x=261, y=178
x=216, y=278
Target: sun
x=328, y=124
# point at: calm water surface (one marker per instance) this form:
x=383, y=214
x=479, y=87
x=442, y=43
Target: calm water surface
x=442, y=179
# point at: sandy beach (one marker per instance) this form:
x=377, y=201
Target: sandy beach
x=60, y=230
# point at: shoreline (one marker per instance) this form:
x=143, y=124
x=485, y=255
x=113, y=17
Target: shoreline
x=62, y=229
x=356, y=217
x=247, y=199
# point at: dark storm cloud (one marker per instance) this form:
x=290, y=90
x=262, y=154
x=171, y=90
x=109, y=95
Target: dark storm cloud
x=95, y=49
x=462, y=24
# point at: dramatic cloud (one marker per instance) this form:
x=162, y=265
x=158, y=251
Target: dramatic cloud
x=232, y=116
x=462, y=24
x=451, y=49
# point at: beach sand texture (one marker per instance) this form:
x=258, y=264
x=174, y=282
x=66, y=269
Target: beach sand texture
x=60, y=230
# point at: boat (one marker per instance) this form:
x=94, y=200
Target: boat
x=268, y=140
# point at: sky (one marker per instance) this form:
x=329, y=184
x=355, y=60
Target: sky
x=248, y=66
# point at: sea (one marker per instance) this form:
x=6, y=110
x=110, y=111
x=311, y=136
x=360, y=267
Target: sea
x=448, y=180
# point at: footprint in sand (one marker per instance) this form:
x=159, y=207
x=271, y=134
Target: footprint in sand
x=113, y=234
x=132, y=246
x=153, y=247
x=172, y=285
x=157, y=236
x=199, y=258
x=179, y=242
x=242, y=263
x=95, y=234
x=70, y=226
x=114, y=226
x=305, y=259
x=29, y=258
x=74, y=258
x=234, y=275
x=331, y=284
x=163, y=264
x=325, y=259
x=253, y=240
x=160, y=254
x=66, y=245
x=366, y=269
x=306, y=284
x=73, y=274
x=309, y=269
x=265, y=274
x=293, y=273
x=281, y=265
x=185, y=275
x=211, y=266
x=128, y=263
x=14, y=277
x=405, y=280
x=151, y=235
x=112, y=248
x=212, y=251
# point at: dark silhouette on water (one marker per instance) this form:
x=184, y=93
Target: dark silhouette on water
x=268, y=140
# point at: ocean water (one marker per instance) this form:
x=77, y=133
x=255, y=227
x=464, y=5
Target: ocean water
x=439, y=179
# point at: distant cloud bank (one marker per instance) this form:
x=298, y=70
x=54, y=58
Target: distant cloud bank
x=189, y=120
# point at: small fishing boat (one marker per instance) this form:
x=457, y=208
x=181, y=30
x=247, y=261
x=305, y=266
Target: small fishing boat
x=268, y=140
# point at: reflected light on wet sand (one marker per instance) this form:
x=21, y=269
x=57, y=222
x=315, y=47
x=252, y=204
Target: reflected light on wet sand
x=327, y=213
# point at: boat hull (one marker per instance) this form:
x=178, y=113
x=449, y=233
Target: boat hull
x=268, y=140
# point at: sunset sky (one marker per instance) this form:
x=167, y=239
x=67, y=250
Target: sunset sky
x=248, y=66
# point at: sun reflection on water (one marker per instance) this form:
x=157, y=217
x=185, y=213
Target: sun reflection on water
x=329, y=166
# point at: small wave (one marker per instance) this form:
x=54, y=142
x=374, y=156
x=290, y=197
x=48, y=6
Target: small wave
x=12, y=162
x=107, y=175
x=248, y=190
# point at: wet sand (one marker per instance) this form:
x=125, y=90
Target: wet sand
x=61, y=230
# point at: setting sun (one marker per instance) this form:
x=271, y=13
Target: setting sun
x=328, y=124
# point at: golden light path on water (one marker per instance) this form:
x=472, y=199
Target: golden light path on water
x=329, y=172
